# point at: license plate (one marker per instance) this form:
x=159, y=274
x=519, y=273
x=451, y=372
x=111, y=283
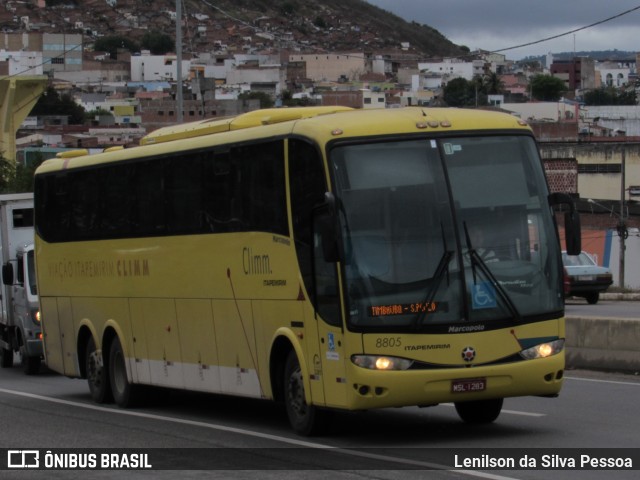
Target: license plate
x=585, y=278
x=468, y=385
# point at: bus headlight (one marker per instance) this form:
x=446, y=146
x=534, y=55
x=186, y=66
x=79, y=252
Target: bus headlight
x=35, y=316
x=381, y=362
x=543, y=350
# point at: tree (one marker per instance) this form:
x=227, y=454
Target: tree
x=610, y=96
x=320, y=23
x=98, y=112
x=287, y=9
x=493, y=84
x=458, y=93
x=112, y=43
x=547, y=88
x=15, y=177
x=158, y=43
x=50, y=103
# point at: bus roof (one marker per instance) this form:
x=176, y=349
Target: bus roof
x=322, y=124
x=246, y=120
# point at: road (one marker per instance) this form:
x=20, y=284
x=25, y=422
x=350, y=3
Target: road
x=47, y=411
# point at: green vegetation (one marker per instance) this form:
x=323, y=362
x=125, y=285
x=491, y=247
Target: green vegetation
x=158, y=43
x=610, y=96
x=16, y=178
x=51, y=103
x=547, y=88
x=460, y=92
x=112, y=43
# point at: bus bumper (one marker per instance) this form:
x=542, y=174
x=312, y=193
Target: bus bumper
x=378, y=389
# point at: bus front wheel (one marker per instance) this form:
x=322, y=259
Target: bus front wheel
x=125, y=394
x=479, y=411
x=96, y=373
x=305, y=419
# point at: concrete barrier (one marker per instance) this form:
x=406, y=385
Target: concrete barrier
x=603, y=344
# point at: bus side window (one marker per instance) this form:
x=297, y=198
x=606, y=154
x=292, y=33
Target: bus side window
x=308, y=186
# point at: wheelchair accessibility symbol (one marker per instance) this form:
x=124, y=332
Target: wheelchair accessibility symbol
x=483, y=295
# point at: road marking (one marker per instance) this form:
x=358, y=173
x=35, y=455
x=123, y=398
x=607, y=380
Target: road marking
x=615, y=382
x=251, y=433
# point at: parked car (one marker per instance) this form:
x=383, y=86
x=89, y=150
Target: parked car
x=584, y=277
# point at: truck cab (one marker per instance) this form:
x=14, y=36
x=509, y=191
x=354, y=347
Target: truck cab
x=20, y=329
x=24, y=311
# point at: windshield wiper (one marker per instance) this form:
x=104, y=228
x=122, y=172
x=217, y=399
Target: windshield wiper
x=476, y=260
x=436, y=278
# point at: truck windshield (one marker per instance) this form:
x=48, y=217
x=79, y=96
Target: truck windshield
x=441, y=232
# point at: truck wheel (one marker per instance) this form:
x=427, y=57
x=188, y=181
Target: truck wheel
x=479, y=411
x=31, y=365
x=304, y=419
x=7, y=358
x=97, y=376
x=125, y=394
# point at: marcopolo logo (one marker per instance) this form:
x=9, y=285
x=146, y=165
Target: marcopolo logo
x=23, y=459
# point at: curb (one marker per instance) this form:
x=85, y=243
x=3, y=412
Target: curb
x=620, y=296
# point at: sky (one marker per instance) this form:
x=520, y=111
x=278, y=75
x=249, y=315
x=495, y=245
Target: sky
x=501, y=24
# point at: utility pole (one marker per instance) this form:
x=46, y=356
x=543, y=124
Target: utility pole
x=179, y=100
x=622, y=226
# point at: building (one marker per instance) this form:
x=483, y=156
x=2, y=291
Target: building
x=149, y=68
x=61, y=52
x=20, y=63
x=615, y=74
x=578, y=73
x=332, y=67
x=453, y=68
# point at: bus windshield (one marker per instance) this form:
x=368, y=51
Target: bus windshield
x=440, y=232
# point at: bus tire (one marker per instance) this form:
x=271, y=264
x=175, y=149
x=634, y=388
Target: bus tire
x=125, y=393
x=479, y=411
x=305, y=419
x=97, y=374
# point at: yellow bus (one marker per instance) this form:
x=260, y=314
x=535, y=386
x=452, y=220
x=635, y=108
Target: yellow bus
x=325, y=258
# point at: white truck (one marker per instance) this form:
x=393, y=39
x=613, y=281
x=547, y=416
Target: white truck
x=20, y=329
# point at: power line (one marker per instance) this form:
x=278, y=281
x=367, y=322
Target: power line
x=600, y=22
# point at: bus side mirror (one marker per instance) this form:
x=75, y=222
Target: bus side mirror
x=7, y=274
x=325, y=225
x=573, y=237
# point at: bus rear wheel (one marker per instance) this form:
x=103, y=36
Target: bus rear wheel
x=125, y=394
x=479, y=411
x=97, y=376
x=304, y=419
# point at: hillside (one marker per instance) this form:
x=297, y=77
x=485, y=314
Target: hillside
x=240, y=25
